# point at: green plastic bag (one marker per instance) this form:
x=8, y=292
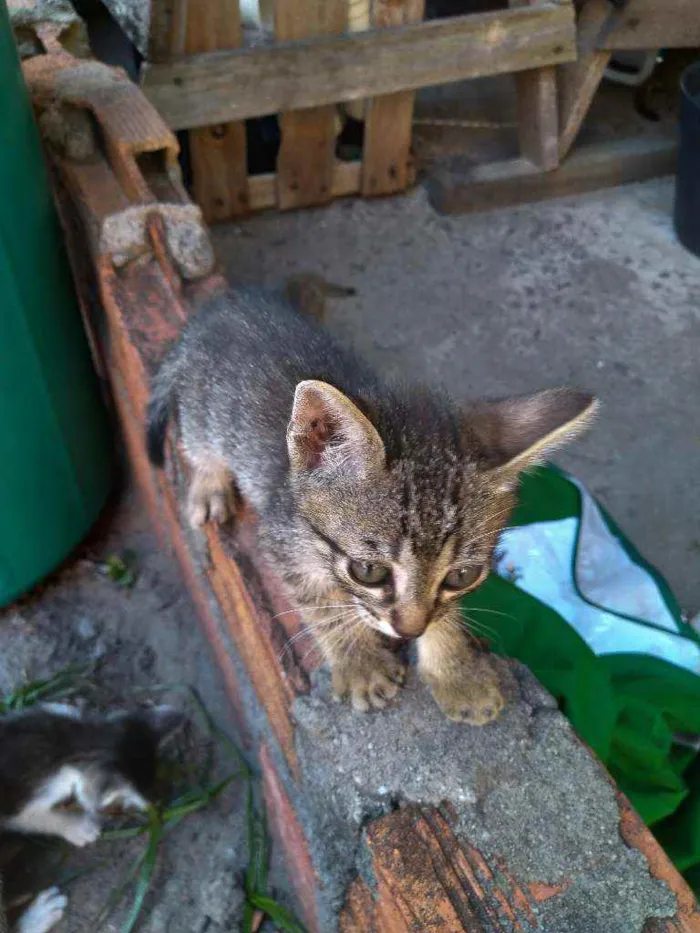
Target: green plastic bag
x=574, y=601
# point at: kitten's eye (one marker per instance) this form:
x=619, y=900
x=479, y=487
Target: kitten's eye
x=368, y=574
x=461, y=578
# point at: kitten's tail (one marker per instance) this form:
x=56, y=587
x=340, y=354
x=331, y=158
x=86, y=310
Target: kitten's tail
x=160, y=407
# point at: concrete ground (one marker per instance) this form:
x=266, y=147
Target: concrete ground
x=593, y=291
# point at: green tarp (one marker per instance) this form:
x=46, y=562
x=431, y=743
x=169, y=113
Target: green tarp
x=574, y=601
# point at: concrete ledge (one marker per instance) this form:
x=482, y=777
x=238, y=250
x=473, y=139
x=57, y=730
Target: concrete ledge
x=396, y=822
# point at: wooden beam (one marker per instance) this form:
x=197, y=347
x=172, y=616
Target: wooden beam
x=346, y=181
x=538, y=112
x=654, y=24
x=517, y=181
x=216, y=88
x=578, y=81
x=217, y=153
x=307, y=152
x=538, y=117
x=165, y=30
x=386, y=155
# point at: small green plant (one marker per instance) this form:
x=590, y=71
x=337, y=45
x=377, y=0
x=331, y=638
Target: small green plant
x=121, y=569
x=61, y=686
x=159, y=820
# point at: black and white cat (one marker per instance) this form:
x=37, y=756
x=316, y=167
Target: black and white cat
x=54, y=754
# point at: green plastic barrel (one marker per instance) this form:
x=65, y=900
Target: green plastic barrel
x=55, y=445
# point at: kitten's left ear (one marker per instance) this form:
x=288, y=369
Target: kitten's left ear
x=519, y=433
x=164, y=720
x=327, y=431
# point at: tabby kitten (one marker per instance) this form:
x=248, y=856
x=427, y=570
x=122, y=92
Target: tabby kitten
x=379, y=505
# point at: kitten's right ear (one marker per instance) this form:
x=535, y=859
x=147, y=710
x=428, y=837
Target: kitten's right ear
x=519, y=433
x=328, y=431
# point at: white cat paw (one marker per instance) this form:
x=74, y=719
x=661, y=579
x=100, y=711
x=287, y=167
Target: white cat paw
x=82, y=831
x=43, y=913
x=126, y=798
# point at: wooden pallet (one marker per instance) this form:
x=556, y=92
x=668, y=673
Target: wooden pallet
x=316, y=64
x=554, y=102
x=202, y=79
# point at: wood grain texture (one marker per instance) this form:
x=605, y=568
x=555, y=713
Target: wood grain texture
x=654, y=24
x=307, y=152
x=289, y=834
x=218, y=152
x=166, y=32
x=578, y=81
x=201, y=90
x=538, y=117
x=419, y=876
x=263, y=188
x=386, y=153
x=517, y=181
x=538, y=112
x=220, y=170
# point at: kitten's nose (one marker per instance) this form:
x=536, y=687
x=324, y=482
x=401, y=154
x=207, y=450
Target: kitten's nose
x=409, y=622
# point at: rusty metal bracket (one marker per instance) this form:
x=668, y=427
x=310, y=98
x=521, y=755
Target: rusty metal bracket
x=119, y=158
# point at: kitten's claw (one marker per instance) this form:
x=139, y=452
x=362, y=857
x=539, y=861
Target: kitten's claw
x=43, y=913
x=82, y=831
x=370, y=682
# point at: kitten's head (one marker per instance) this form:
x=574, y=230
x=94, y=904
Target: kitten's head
x=401, y=504
x=137, y=739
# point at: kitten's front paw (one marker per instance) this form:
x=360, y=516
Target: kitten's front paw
x=211, y=497
x=82, y=830
x=43, y=913
x=207, y=506
x=474, y=697
x=370, y=681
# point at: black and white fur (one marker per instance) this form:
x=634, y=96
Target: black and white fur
x=55, y=754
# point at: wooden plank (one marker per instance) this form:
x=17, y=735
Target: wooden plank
x=220, y=170
x=165, y=34
x=307, y=151
x=538, y=117
x=517, y=181
x=538, y=112
x=217, y=153
x=578, y=81
x=654, y=24
x=263, y=188
x=306, y=157
x=207, y=89
x=386, y=153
